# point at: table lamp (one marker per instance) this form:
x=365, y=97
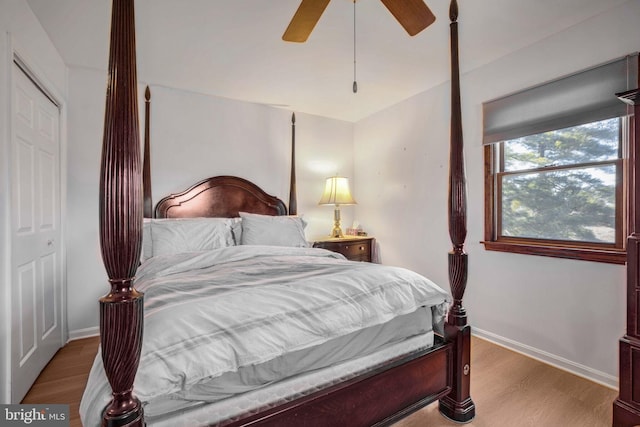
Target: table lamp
x=336, y=192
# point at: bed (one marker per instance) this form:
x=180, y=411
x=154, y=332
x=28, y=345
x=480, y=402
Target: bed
x=364, y=372
x=231, y=328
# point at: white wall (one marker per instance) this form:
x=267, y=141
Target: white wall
x=196, y=136
x=570, y=313
x=21, y=34
x=86, y=277
x=193, y=137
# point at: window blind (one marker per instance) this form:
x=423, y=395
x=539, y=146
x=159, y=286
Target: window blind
x=583, y=97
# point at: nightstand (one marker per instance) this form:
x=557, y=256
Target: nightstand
x=354, y=248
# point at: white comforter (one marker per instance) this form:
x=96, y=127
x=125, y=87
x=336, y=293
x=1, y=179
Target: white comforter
x=213, y=312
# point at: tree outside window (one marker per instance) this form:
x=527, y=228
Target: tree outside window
x=561, y=185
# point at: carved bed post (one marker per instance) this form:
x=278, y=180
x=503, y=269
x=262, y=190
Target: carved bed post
x=146, y=164
x=457, y=405
x=121, y=223
x=626, y=408
x=293, y=200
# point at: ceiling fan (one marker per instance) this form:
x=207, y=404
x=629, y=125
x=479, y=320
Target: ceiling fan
x=413, y=15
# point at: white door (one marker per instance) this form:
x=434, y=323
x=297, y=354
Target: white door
x=36, y=329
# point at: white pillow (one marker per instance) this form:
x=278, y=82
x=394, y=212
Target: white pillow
x=236, y=230
x=147, y=245
x=178, y=235
x=273, y=230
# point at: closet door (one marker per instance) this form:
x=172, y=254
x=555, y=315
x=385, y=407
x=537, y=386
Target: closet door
x=36, y=274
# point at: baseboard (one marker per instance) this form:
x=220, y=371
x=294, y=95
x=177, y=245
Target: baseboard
x=550, y=359
x=84, y=333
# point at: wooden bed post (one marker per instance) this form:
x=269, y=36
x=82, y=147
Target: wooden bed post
x=146, y=164
x=626, y=408
x=121, y=313
x=457, y=405
x=293, y=199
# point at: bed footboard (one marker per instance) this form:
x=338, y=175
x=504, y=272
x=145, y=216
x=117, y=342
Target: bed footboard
x=379, y=398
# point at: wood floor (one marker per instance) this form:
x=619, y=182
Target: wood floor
x=64, y=378
x=512, y=390
x=509, y=390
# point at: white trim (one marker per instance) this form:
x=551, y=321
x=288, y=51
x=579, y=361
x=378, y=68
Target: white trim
x=84, y=333
x=5, y=239
x=567, y=365
x=62, y=128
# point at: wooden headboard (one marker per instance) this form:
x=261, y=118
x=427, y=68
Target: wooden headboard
x=220, y=196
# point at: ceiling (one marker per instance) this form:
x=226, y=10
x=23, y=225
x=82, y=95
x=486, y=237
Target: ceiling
x=233, y=48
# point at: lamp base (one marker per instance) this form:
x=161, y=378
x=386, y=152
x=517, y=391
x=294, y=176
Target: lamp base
x=336, y=233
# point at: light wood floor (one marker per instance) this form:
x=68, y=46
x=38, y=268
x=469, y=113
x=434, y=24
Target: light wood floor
x=512, y=390
x=63, y=380
x=509, y=390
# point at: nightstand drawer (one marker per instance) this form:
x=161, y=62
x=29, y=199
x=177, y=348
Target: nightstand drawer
x=354, y=249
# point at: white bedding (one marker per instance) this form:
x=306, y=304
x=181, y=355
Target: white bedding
x=212, y=313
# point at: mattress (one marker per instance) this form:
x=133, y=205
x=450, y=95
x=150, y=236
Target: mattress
x=229, y=322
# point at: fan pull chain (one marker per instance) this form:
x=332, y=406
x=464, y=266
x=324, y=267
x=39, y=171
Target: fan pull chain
x=355, y=84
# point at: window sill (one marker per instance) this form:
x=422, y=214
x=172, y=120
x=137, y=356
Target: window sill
x=584, y=254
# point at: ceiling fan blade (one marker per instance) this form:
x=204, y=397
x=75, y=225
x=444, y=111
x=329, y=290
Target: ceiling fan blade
x=413, y=15
x=304, y=20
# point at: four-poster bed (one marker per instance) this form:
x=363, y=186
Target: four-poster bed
x=398, y=383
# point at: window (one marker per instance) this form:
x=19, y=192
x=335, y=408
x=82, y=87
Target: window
x=554, y=167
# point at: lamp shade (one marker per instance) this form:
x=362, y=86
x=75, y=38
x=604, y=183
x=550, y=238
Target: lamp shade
x=336, y=192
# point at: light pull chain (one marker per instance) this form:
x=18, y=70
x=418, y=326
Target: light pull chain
x=355, y=84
